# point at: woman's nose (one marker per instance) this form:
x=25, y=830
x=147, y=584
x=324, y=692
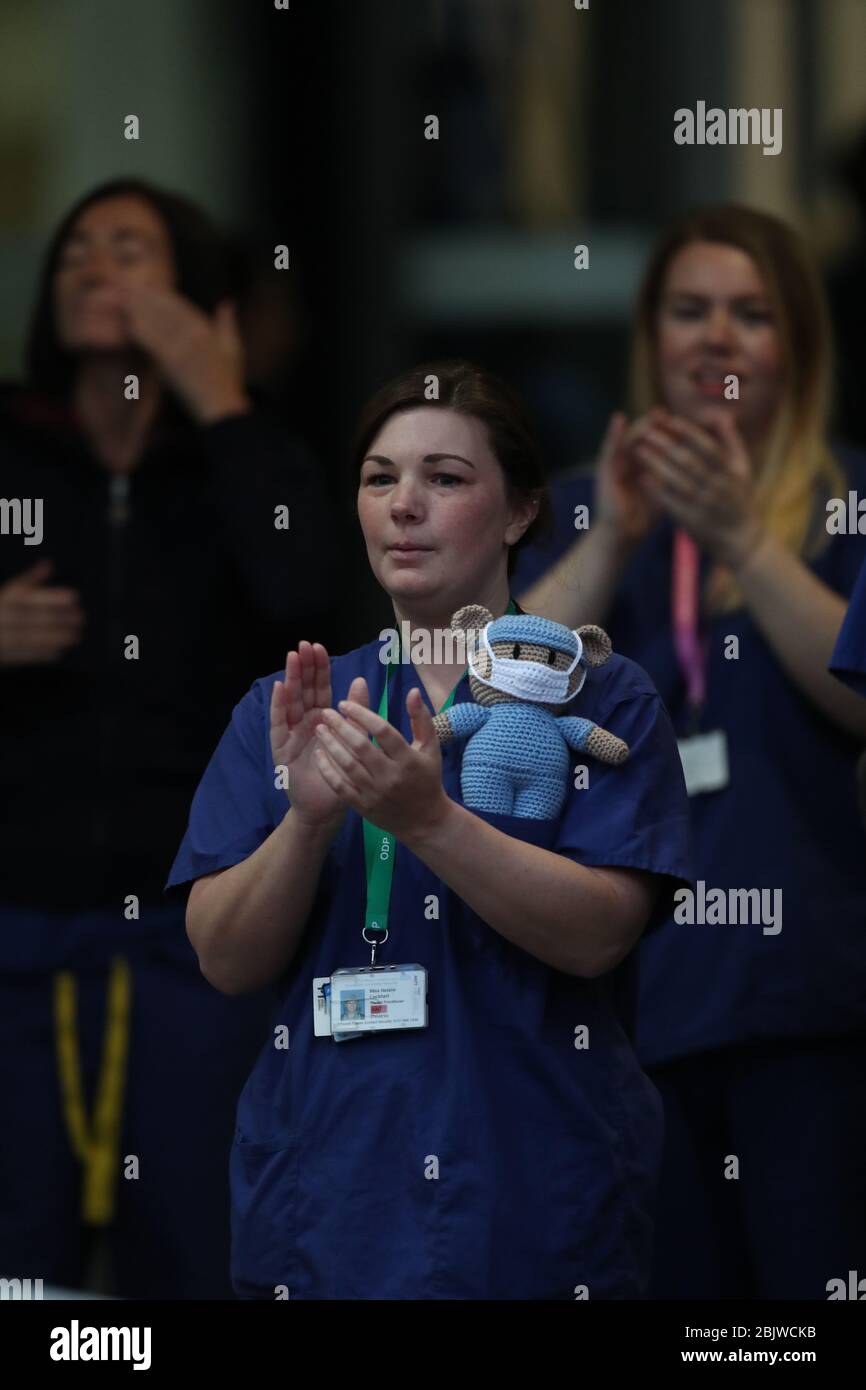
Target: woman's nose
x=719, y=329
x=96, y=269
x=406, y=501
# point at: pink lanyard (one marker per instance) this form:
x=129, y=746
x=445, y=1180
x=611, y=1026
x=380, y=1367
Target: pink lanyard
x=691, y=650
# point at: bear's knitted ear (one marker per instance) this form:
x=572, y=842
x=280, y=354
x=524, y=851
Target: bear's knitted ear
x=597, y=646
x=471, y=618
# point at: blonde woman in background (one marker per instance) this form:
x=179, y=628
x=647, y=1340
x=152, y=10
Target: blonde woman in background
x=714, y=561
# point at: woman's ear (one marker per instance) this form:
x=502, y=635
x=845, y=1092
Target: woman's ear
x=525, y=513
x=597, y=646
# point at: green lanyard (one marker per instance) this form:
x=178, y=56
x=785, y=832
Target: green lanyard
x=380, y=846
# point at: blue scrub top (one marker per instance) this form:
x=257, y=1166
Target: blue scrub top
x=788, y=819
x=486, y=1156
x=848, y=661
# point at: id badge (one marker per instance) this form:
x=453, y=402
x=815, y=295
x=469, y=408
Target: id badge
x=353, y=1003
x=705, y=762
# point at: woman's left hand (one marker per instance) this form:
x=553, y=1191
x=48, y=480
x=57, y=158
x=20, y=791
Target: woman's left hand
x=394, y=784
x=200, y=358
x=701, y=476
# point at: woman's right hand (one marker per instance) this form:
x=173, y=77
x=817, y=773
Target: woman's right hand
x=623, y=505
x=296, y=712
x=38, y=623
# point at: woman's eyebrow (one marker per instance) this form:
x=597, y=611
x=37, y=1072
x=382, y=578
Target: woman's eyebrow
x=428, y=458
x=130, y=234
x=748, y=297
x=81, y=234
x=440, y=458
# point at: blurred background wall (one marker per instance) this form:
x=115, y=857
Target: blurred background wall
x=307, y=126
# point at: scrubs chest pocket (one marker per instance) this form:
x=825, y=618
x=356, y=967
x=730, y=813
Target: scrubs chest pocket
x=264, y=1181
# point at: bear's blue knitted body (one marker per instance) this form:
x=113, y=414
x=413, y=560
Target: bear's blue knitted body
x=517, y=760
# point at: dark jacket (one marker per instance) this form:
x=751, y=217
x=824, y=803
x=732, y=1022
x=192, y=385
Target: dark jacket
x=100, y=754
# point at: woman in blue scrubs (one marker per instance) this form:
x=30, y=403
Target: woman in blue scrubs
x=719, y=557
x=508, y=1149
x=848, y=661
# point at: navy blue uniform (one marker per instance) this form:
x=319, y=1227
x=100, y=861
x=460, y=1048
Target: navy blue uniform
x=849, y=655
x=189, y=1052
x=99, y=757
x=787, y=820
x=546, y=1152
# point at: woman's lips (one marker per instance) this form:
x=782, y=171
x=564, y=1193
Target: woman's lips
x=713, y=385
x=103, y=298
x=408, y=552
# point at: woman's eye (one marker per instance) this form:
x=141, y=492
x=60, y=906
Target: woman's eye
x=448, y=477
x=378, y=478
x=757, y=316
x=515, y=651
x=551, y=657
x=687, y=311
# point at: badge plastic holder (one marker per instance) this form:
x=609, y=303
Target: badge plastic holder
x=357, y=1002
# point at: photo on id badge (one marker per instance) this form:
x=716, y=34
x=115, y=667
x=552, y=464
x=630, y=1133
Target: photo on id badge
x=352, y=1003
x=381, y=999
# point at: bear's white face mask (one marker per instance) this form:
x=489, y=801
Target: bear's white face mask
x=529, y=680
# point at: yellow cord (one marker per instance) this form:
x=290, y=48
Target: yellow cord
x=98, y=1150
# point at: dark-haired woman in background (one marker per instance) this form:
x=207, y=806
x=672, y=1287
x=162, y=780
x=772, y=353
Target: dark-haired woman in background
x=710, y=559
x=181, y=534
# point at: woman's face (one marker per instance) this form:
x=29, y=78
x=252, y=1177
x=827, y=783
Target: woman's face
x=714, y=321
x=431, y=485
x=116, y=243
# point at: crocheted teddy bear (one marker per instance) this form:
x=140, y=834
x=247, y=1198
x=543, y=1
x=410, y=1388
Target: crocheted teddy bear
x=524, y=674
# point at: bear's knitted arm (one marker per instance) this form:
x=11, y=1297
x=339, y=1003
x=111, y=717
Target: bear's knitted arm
x=460, y=721
x=585, y=737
